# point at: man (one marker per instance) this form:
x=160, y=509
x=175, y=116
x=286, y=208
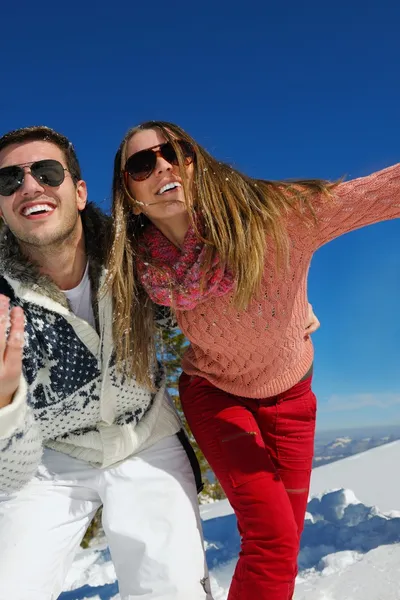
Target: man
x=75, y=433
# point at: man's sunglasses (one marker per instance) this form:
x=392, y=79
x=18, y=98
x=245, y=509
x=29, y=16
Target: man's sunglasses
x=140, y=165
x=46, y=172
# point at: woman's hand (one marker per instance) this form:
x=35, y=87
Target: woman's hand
x=312, y=322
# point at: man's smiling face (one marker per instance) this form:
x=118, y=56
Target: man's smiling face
x=39, y=214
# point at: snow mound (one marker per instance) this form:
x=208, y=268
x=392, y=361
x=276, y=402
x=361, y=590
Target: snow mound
x=338, y=522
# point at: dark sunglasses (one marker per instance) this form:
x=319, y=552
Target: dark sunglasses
x=47, y=172
x=140, y=165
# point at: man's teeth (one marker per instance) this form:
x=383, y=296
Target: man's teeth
x=30, y=210
x=168, y=186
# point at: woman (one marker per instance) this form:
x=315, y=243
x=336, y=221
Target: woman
x=230, y=254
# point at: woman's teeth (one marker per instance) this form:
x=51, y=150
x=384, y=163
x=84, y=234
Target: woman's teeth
x=168, y=186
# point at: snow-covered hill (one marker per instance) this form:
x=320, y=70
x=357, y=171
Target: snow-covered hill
x=372, y=475
x=350, y=549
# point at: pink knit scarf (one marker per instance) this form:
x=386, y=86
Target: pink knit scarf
x=166, y=272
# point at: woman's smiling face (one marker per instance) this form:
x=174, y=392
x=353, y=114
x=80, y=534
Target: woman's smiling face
x=161, y=195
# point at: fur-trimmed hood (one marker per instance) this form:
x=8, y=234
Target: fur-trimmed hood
x=97, y=229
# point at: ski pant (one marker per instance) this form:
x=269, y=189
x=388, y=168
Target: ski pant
x=261, y=451
x=150, y=518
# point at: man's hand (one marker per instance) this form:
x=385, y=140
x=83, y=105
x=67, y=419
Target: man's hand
x=11, y=346
x=312, y=323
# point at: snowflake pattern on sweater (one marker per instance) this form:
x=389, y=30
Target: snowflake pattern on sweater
x=55, y=342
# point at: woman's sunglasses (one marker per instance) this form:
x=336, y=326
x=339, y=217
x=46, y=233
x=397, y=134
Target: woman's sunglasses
x=140, y=165
x=47, y=172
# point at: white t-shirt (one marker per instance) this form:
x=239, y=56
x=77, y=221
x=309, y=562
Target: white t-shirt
x=80, y=299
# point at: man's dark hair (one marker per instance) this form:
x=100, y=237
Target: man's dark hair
x=45, y=134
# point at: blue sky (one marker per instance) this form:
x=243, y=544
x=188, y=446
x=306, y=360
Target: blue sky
x=278, y=89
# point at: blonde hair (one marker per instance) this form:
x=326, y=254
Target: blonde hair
x=241, y=215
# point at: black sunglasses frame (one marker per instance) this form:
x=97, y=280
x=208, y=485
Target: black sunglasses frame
x=146, y=160
x=46, y=172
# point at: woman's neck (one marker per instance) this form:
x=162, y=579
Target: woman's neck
x=174, y=229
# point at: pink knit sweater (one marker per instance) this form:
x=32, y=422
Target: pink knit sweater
x=261, y=351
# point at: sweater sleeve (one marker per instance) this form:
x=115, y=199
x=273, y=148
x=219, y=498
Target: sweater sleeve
x=20, y=442
x=355, y=204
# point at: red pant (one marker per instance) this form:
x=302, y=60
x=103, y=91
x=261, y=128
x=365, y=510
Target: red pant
x=261, y=451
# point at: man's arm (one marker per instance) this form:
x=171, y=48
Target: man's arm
x=11, y=345
x=20, y=443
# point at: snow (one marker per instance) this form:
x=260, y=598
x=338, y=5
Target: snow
x=351, y=576
x=216, y=509
x=350, y=546
x=341, y=442
x=372, y=475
